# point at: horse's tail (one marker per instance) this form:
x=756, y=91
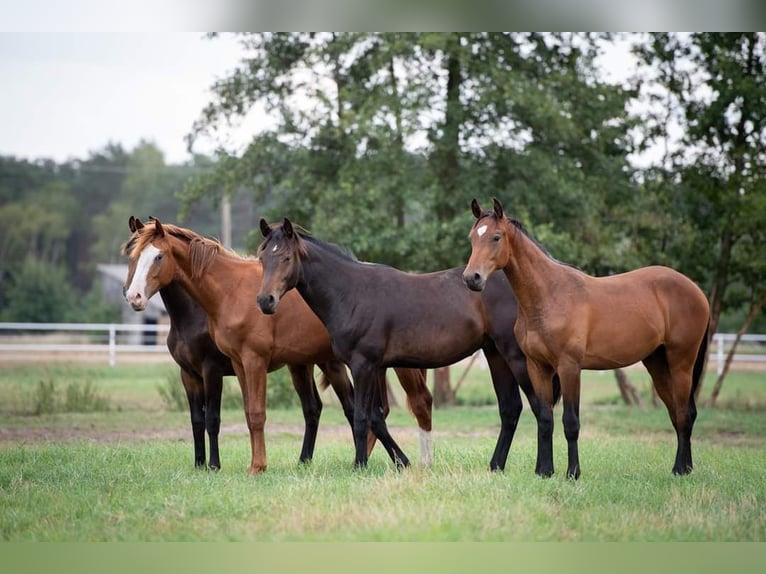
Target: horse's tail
x=700, y=362
x=324, y=382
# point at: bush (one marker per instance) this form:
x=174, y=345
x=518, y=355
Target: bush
x=173, y=394
x=78, y=398
x=39, y=292
x=280, y=393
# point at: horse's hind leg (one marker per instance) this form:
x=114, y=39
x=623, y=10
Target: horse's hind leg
x=672, y=380
x=195, y=394
x=311, y=404
x=508, y=403
x=420, y=402
x=213, y=380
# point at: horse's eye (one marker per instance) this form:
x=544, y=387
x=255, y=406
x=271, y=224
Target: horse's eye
x=496, y=238
x=158, y=258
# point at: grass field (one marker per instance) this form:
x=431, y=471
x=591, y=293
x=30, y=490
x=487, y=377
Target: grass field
x=126, y=474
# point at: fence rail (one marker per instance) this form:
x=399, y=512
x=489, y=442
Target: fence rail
x=115, y=338
x=108, y=338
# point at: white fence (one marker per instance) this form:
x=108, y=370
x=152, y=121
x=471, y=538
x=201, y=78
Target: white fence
x=113, y=339
x=107, y=338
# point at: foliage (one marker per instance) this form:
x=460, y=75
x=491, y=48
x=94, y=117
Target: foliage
x=78, y=398
x=40, y=292
x=173, y=395
x=402, y=130
x=710, y=186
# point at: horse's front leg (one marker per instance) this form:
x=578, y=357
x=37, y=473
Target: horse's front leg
x=212, y=375
x=251, y=372
x=363, y=389
x=541, y=376
x=569, y=374
x=311, y=404
x=195, y=395
x=508, y=403
x=369, y=413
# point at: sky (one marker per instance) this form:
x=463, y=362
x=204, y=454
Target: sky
x=65, y=95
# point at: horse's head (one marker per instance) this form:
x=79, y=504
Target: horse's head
x=490, y=245
x=149, y=270
x=280, y=255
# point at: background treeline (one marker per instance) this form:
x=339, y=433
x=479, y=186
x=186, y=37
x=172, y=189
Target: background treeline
x=379, y=142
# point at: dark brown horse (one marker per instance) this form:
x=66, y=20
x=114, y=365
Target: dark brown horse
x=379, y=317
x=203, y=367
x=569, y=321
x=225, y=286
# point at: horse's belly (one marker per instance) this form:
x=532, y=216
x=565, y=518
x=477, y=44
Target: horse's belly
x=620, y=345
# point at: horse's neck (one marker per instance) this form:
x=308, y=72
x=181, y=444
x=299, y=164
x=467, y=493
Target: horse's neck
x=531, y=273
x=206, y=289
x=324, y=278
x=181, y=307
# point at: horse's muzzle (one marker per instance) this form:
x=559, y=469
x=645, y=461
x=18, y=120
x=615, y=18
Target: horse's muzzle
x=474, y=281
x=267, y=304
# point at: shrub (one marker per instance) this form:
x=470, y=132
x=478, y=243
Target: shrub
x=173, y=394
x=78, y=398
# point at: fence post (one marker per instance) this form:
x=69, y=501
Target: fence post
x=112, y=346
x=719, y=353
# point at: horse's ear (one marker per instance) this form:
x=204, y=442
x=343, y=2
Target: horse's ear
x=265, y=229
x=135, y=224
x=498, y=208
x=475, y=208
x=288, y=228
x=158, y=230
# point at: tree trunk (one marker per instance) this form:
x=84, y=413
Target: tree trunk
x=391, y=396
x=755, y=308
x=719, y=290
x=444, y=395
x=629, y=394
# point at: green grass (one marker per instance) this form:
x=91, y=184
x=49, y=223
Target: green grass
x=118, y=483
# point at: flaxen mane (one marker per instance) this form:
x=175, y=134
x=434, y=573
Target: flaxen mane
x=202, y=250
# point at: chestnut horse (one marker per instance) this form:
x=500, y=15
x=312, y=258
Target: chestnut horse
x=203, y=367
x=224, y=285
x=380, y=317
x=569, y=321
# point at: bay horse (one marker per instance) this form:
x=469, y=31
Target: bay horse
x=224, y=285
x=569, y=321
x=203, y=367
x=379, y=317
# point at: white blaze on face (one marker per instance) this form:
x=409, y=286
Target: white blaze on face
x=138, y=285
x=481, y=230
x=273, y=249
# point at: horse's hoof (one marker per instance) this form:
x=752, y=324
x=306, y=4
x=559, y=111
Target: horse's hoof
x=215, y=467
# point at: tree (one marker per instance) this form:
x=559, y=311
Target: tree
x=387, y=137
x=714, y=172
x=39, y=292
